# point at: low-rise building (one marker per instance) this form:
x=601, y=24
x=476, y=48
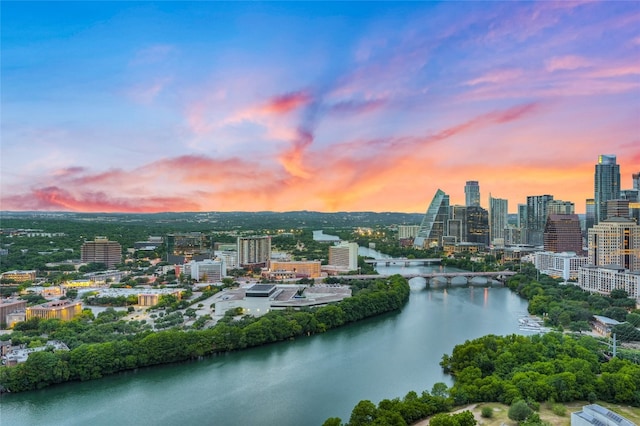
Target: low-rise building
x=61, y=309
x=19, y=276
x=9, y=306
x=597, y=415
x=300, y=269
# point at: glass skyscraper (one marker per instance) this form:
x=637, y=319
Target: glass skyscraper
x=607, y=185
x=472, y=193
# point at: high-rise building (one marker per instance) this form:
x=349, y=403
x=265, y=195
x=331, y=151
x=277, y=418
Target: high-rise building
x=537, y=218
x=432, y=228
x=560, y=207
x=618, y=208
x=101, y=250
x=477, y=225
x=344, y=255
x=590, y=217
x=472, y=193
x=606, y=184
x=254, y=251
x=498, y=217
x=615, y=241
x=562, y=233
x=636, y=181
x=522, y=216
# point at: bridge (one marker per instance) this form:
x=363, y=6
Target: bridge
x=402, y=261
x=447, y=276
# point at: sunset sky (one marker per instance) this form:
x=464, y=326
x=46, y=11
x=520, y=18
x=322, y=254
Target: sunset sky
x=209, y=106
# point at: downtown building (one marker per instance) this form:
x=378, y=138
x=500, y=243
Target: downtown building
x=606, y=185
x=434, y=222
x=562, y=233
x=101, y=250
x=536, y=218
x=472, y=193
x=498, y=213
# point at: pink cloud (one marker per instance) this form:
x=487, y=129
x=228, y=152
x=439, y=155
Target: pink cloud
x=569, y=62
x=497, y=76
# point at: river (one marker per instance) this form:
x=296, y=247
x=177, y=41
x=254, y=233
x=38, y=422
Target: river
x=302, y=382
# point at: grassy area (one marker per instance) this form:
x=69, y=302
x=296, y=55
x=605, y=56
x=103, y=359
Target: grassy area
x=547, y=413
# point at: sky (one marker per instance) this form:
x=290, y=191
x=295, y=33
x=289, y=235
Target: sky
x=250, y=106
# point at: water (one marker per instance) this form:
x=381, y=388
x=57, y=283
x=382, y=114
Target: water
x=302, y=382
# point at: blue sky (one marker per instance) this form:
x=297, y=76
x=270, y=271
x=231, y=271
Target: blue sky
x=198, y=106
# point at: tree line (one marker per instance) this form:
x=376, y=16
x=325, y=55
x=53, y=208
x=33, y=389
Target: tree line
x=118, y=346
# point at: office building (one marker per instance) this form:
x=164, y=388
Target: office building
x=560, y=207
x=344, y=256
x=562, y=233
x=254, y=251
x=8, y=307
x=522, y=216
x=60, y=309
x=188, y=246
x=564, y=265
x=606, y=184
x=297, y=269
x=636, y=181
x=498, y=217
x=618, y=208
x=615, y=241
x=472, y=193
x=101, y=250
x=207, y=270
x=537, y=218
x=434, y=222
x=590, y=216
x=477, y=226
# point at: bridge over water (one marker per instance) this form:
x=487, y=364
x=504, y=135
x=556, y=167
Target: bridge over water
x=403, y=261
x=447, y=276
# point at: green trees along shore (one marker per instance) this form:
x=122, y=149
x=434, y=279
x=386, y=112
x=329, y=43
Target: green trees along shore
x=99, y=348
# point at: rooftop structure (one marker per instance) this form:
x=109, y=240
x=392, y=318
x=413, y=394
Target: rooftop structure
x=597, y=415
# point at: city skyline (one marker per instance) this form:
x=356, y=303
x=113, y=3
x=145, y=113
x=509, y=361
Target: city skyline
x=207, y=106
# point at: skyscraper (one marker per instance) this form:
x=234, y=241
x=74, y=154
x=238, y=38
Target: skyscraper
x=636, y=180
x=537, y=218
x=497, y=218
x=432, y=228
x=606, y=184
x=590, y=217
x=562, y=233
x=472, y=193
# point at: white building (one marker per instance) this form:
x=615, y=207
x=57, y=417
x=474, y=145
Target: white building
x=208, y=270
x=595, y=414
x=407, y=231
x=344, y=255
x=565, y=265
x=229, y=257
x=603, y=279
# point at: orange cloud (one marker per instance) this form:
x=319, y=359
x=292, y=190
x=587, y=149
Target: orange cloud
x=285, y=103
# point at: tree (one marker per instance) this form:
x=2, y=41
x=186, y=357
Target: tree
x=364, y=413
x=332, y=421
x=519, y=411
